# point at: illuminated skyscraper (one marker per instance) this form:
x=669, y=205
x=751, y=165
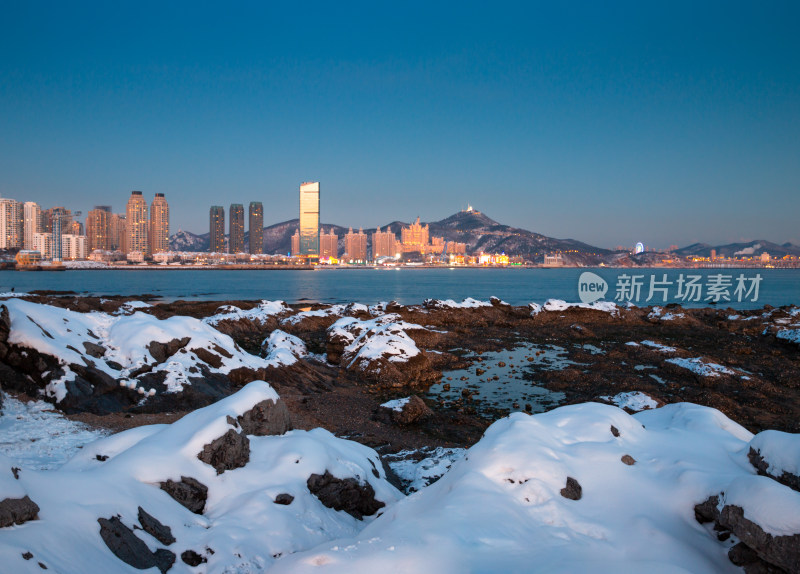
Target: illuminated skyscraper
x=98, y=228
x=309, y=219
x=11, y=226
x=159, y=224
x=138, y=224
x=256, y=227
x=236, y=238
x=384, y=243
x=296, y=243
x=119, y=233
x=32, y=223
x=216, y=238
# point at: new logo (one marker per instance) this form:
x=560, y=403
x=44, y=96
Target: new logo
x=591, y=287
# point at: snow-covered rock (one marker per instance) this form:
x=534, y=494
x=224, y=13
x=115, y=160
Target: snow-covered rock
x=701, y=367
x=284, y=348
x=260, y=314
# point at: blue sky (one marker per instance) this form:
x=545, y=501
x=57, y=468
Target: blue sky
x=662, y=122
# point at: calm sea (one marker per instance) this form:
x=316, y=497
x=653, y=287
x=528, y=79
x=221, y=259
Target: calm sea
x=744, y=288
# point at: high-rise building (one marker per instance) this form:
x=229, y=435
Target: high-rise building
x=415, y=237
x=31, y=223
x=73, y=246
x=119, y=233
x=328, y=245
x=138, y=224
x=296, y=243
x=236, y=233
x=355, y=246
x=256, y=227
x=159, y=224
x=309, y=219
x=98, y=228
x=11, y=224
x=43, y=243
x=74, y=227
x=216, y=236
x=384, y=243
x=50, y=215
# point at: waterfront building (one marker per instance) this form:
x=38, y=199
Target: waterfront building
x=328, y=245
x=74, y=227
x=118, y=233
x=309, y=219
x=216, y=238
x=384, y=244
x=355, y=246
x=159, y=224
x=50, y=215
x=31, y=223
x=98, y=228
x=415, y=237
x=11, y=226
x=56, y=223
x=456, y=248
x=296, y=243
x=137, y=223
x=43, y=243
x=256, y=226
x=73, y=247
x=236, y=234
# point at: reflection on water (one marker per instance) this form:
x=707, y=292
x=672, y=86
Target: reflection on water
x=505, y=380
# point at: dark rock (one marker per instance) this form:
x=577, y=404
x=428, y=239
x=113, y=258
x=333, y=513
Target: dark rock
x=15, y=471
x=628, y=459
x=284, y=498
x=415, y=410
x=762, y=466
x=614, y=431
x=780, y=551
x=163, y=351
x=42, y=565
x=344, y=494
x=267, y=418
x=707, y=511
x=130, y=549
x=192, y=558
x=208, y=357
x=741, y=554
x=231, y=450
x=101, y=457
x=17, y=511
x=155, y=528
x=573, y=490
x=94, y=350
x=27, y=555
x=189, y=492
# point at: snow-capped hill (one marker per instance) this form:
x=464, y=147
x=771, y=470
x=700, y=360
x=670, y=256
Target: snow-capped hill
x=188, y=241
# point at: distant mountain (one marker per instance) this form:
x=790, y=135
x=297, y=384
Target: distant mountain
x=749, y=249
x=188, y=241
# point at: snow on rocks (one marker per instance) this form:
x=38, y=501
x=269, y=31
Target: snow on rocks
x=500, y=508
x=660, y=314
x=283, y=348
x=701, y=367
x=659, y=347
x=259, y=314
x=560, y=305
x=379, y=349
x=403, y=411
x=240, y=527
x=777, y=454
x=632, y=401
x=468, y=303
x=418, y=469
x=100, y=362
x=327, y=313
x=790, y=335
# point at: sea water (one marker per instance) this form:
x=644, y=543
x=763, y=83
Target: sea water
x=517, y=286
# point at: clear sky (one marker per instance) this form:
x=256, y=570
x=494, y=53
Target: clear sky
x=608, y=122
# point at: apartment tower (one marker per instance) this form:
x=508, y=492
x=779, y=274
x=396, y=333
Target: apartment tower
x=384, y=243
x=159, y=224
x=309, y=219
x=32, y=222
x=216, y=237
x=98, y=228
x=118, y=233
x=236, y=240
x=138, y=224
x=355, y=246
x=328, y=245
x=11, y=228
x=256, y=227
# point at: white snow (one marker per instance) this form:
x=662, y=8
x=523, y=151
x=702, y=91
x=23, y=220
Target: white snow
x=37, y=437
x=245, y=529
x=397, y=404
x=332, y=311
x=658, y=313
x=791, y=335
x=284, y=348
x=659, y=347
x=560, y=305
x=771, y=505
x=261, y=313
x=634, y=400
x=85, y=265
x=372, y=339
x=701, y=367
x=416, y=473
x=780, y=450
x=468, y=303
x=61, y=333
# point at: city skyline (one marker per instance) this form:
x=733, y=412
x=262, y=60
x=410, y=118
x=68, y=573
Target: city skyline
x=609, y=124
